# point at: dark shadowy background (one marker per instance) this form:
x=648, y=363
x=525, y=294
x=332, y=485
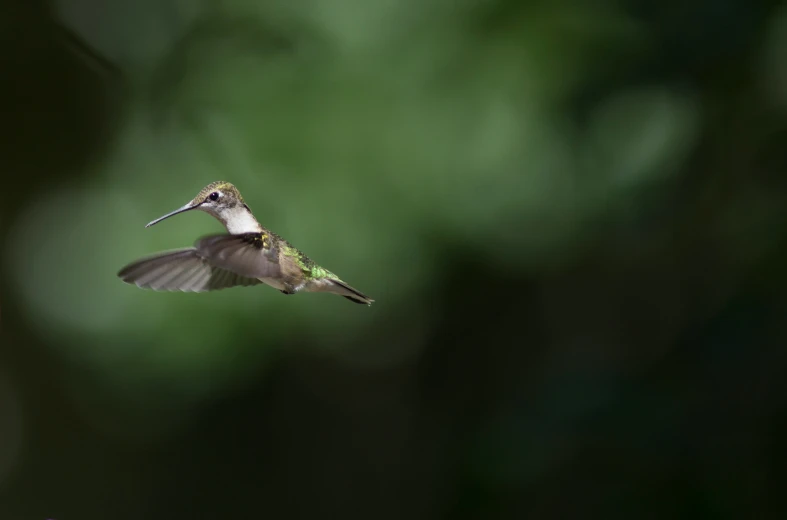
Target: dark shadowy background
x=571, y=215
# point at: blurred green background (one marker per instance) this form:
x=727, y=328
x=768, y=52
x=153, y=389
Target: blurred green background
x=571, y=216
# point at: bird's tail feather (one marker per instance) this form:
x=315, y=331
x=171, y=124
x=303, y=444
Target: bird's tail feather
x=354, y=295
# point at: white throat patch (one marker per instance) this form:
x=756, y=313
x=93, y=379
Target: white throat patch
x=239, y=220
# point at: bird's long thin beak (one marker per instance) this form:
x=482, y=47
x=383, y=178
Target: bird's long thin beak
x=187, y=207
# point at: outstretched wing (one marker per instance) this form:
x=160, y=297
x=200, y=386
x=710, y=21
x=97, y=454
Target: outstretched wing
x=181, y=270
x=253, y=255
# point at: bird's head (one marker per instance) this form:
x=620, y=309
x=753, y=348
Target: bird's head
x=223, y=201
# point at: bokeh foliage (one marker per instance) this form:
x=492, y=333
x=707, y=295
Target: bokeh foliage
x=570, y=214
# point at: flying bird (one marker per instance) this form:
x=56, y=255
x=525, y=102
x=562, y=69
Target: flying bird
x=248, y=254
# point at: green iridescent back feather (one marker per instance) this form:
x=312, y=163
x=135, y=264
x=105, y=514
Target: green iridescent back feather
x=310, y=269
x=268, y=239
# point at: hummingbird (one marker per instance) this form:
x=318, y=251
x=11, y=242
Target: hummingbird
x=248, y=254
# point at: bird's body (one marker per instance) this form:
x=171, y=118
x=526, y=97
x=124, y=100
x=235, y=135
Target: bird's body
x=248, y=255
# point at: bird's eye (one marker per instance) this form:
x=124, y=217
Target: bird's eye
x=214, y=196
